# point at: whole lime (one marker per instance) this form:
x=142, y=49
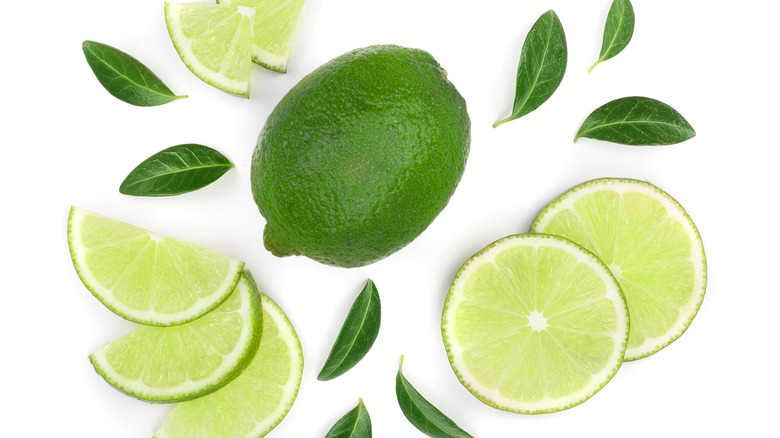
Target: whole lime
x=360, y=156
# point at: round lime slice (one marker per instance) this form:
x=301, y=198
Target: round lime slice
x=649, y=243
x=274, y=31
x=534, y=323
x=144, y=277
x=171, y=364
x=214, y=41
x=257, y=400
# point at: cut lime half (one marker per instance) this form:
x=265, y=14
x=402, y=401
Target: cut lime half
x=144, y=277
x=214, y=41
x=275, y=30
x=534, y=324
x=257, y=400
x=649, y=243
x=171, y=364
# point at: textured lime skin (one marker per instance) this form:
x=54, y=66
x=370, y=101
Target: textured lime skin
x=360, y=156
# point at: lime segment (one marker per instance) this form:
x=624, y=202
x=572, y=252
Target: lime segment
x=275, y=29
x=257, y=400
x=144, y=277
x=170, y=364
x=534, y=324
x=650, y=244
x=214, y=41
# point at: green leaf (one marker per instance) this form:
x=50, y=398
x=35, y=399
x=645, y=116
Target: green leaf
x=125, y=77
x=176, y=170
x=421, y=413
x=636, y=121
x=542, y=65
x=617, y=31
x=357, y=334
x=355, y=424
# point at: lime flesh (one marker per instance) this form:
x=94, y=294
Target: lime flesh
x=171, y=364
x=649, y=243
x=534, y=324
x=144, y=277
x=257, y=400
x=275, y=29
x=214, y=41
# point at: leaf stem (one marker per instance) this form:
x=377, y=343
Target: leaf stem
x=501, y=122
x=599, y=61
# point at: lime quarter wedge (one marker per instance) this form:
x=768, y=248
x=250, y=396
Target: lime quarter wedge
x=257, y=400
x=649, y=243
x=144, y=277
x=214, y=41
x=534, y=324
x=275, y=29
x=171, y=364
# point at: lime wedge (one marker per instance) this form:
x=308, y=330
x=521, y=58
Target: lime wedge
x=534, y=324
x=214, y=41
x=170, y=364
x=650, y=245
x=275, y=29
x=144, y=277
x=257, y=400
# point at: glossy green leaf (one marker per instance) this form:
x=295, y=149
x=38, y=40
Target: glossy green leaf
x=421, y=413
x=125, y=77
x=357, y=334
x=636, y=121
x=176, y=170
x=617, y=31
x=542, y=65
x=355, y=424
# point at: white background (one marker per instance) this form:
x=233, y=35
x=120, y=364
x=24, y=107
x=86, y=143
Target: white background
x=66, y=141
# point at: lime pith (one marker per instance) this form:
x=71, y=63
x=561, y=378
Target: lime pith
x=256, y=401
x=650, y=244
x=144, y=277
x=534, y=324
x=172, y=364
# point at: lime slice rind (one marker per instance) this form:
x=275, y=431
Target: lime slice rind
x=621, y=186
x=150, y=316
x=292, y=385
x=230, y=366
x=252, y=389
x=493, y=396
x=183, y=45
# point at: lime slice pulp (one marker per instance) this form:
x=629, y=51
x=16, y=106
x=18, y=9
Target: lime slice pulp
x=144, y=277
x=275, y=29
x=534, y=324
x=171, y=364
x=214, y=41
x=649, y=243
x=257, y=400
